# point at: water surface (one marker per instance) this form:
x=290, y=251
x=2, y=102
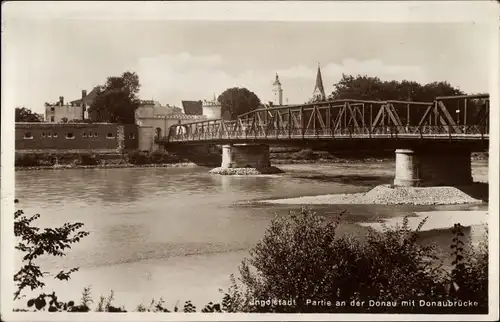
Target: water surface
x=179, y=232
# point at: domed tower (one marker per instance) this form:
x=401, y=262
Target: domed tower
x=277, y=92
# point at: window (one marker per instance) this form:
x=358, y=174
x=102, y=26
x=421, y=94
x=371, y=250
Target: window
x=49, y=134
x=52, y=109
x=85, y=134
x=110, y=136
x=52, y=119
x=43, y=134
x=96, y=135
x=54, y=135
x=28, y=136
x=70, y=135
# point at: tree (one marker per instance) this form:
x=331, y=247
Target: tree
x=24, y=114
x=372, y=88
x=33, y=243
x=315, y=99
x=117, y=101
x=236, y=101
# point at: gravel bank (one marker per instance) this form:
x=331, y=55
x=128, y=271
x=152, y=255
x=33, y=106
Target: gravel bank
x=386, y=195
x=245, y=171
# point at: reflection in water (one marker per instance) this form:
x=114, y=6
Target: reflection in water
x=242, y=184
x=115, y=186
x=174, y=232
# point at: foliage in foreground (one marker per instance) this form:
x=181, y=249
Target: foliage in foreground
x=33, y=242
x=303, y=259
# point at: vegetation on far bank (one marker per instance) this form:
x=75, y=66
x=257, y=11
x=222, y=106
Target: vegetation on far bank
x=94, y=159
x=300, y=258
x=134, y=158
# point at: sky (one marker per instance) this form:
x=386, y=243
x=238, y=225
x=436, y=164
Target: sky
x=193, y=60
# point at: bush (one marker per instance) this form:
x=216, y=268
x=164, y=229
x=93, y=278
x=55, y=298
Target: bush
x=300, y=258
x=69, y=158
x=26, y=160
x=48, y=159
x=89, y=159
x=139, y=158
x=159, y=157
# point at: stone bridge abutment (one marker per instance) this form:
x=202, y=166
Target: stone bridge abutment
x=245, y=156
x=444, y=167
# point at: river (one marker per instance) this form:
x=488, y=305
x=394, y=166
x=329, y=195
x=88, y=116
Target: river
x=179, y=232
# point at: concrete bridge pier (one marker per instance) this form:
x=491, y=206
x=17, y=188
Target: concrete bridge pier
x=446, y=167
x=245, y=156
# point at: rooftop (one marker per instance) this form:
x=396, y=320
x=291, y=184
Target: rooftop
x=192, y=107
x=90, y=96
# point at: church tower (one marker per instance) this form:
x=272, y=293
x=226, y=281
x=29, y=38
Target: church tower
x=319, y=90
x=277, y=92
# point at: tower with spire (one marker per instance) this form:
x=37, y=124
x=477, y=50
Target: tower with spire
x=319, y=90
x=277, y=92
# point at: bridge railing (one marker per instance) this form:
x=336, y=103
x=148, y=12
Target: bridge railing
x=439, y=131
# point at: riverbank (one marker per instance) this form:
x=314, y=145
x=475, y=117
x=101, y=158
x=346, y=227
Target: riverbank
x=48, y=161
x=183, y=164
x=107, y=166
x=122, y=164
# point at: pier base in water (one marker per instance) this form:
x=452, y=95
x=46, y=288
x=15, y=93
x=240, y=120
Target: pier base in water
x=432, y=168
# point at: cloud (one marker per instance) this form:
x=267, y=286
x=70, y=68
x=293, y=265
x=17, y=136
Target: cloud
x=172, y=78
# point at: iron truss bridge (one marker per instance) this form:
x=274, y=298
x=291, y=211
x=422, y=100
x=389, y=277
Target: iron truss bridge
x=447, y=118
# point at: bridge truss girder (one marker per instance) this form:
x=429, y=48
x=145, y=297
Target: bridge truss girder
x=466, y=115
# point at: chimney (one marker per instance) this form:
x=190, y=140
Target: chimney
x=84, y=93
x=61, y=100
